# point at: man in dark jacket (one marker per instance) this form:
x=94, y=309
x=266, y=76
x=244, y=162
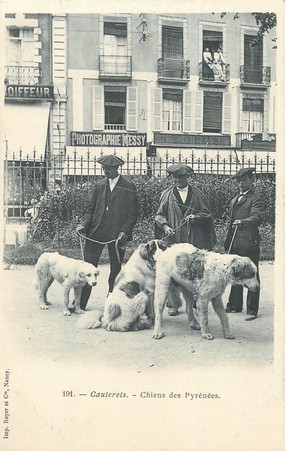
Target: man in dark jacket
x=243, y=237
x=184, y=216
x=110, y=218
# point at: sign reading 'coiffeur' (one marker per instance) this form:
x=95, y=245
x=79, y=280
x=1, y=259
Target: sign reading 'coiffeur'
x=108, y=139
x=29, y=92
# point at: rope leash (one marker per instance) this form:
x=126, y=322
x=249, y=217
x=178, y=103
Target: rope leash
x=179, y=227
x=81, y=237
x=233, y=237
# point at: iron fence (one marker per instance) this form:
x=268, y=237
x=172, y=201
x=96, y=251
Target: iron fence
x=27, y=178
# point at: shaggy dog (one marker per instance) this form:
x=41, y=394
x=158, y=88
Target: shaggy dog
x=204, y=275
x=130, y=305
x=68, y=272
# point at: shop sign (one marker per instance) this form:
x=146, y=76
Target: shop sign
x=35, y=92
x=102, y=139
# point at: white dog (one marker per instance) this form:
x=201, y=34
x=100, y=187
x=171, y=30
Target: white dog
x=204, y=275
x=130, y=305
x=68, y=272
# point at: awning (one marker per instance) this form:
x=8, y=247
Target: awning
x=25, y=128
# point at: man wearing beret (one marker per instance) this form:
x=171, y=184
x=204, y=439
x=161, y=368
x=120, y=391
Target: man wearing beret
x=184, y=216
x=111, y=216
x=243, y=238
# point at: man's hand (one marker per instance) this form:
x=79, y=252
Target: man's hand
x=168, y=230
x=80, y=229
x=190, y=218
x=237, y=222
x=122, y=239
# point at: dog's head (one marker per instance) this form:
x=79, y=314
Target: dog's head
x=88, y=273
x=244, y=272
x=151, y=250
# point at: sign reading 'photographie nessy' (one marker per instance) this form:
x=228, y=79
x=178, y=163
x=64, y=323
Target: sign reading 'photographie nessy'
x=108, y=139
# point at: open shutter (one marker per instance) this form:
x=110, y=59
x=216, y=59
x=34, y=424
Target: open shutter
x=132, y=109
x=98, y=108
x=157, y=109
x=187, y=111
x=198, y=111
x=226, y=113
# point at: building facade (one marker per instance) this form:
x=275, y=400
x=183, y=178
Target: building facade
x=138, y=85
x=165, y=83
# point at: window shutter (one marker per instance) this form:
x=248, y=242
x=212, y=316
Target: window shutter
x=157, y=109
x=98, y=108
x=226, y=113
x=198, y=111
x=187, y=111
x=132, y=109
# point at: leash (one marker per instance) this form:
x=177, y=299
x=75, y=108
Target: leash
x=233, y=237
x=81, y=237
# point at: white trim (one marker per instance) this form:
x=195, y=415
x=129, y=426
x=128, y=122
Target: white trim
x=212, y=26
x=83, y=74
x=77, y=103
x=162, y=20
x=250, y=30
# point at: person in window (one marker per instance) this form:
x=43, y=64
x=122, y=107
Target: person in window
x=208, y=64
x=219, y=65
x=110, y=217
x=184, y=216
x=245, y=213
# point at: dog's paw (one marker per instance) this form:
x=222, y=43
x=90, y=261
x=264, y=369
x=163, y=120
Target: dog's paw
x=44, y=307
x=158, y=334
x=67, y=313
x=229, y=336
x=47, y=303
x=208, y=336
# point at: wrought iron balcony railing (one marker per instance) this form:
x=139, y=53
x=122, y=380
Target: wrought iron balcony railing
x=115, y=66
x=255, y=76
x=252, y=140
x=173, y=69
x=214, y=74
x=22, y=75
x=115, y=127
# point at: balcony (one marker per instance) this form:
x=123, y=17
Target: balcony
x=115, y=127
x=114, y=66
x=256, y=141
x=173, y=70
x=259, y=78
x=22, y=75
x=208, y=76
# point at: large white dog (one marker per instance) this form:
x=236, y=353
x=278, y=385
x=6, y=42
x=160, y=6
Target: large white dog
x=203, y=275
x=130, y=305
x=70, y=273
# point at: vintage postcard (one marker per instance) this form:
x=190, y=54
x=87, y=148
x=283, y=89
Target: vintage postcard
x=143, y=188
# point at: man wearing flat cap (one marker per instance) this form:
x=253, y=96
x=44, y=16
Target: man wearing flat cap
x=184, y=216
x=245, y=212
x=110, y=218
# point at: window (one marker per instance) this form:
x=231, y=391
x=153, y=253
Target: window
x=20, y=46
x=115, y=48
x=253, y=56
x=115, y=108
x=212, y=112
x=172, y=110
x=252, y=115
x=212, y=41
x=172, y=42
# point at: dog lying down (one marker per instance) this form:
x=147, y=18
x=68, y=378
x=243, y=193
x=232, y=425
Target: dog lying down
x=204, y=275
x=130, y=306
x=70, y=273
